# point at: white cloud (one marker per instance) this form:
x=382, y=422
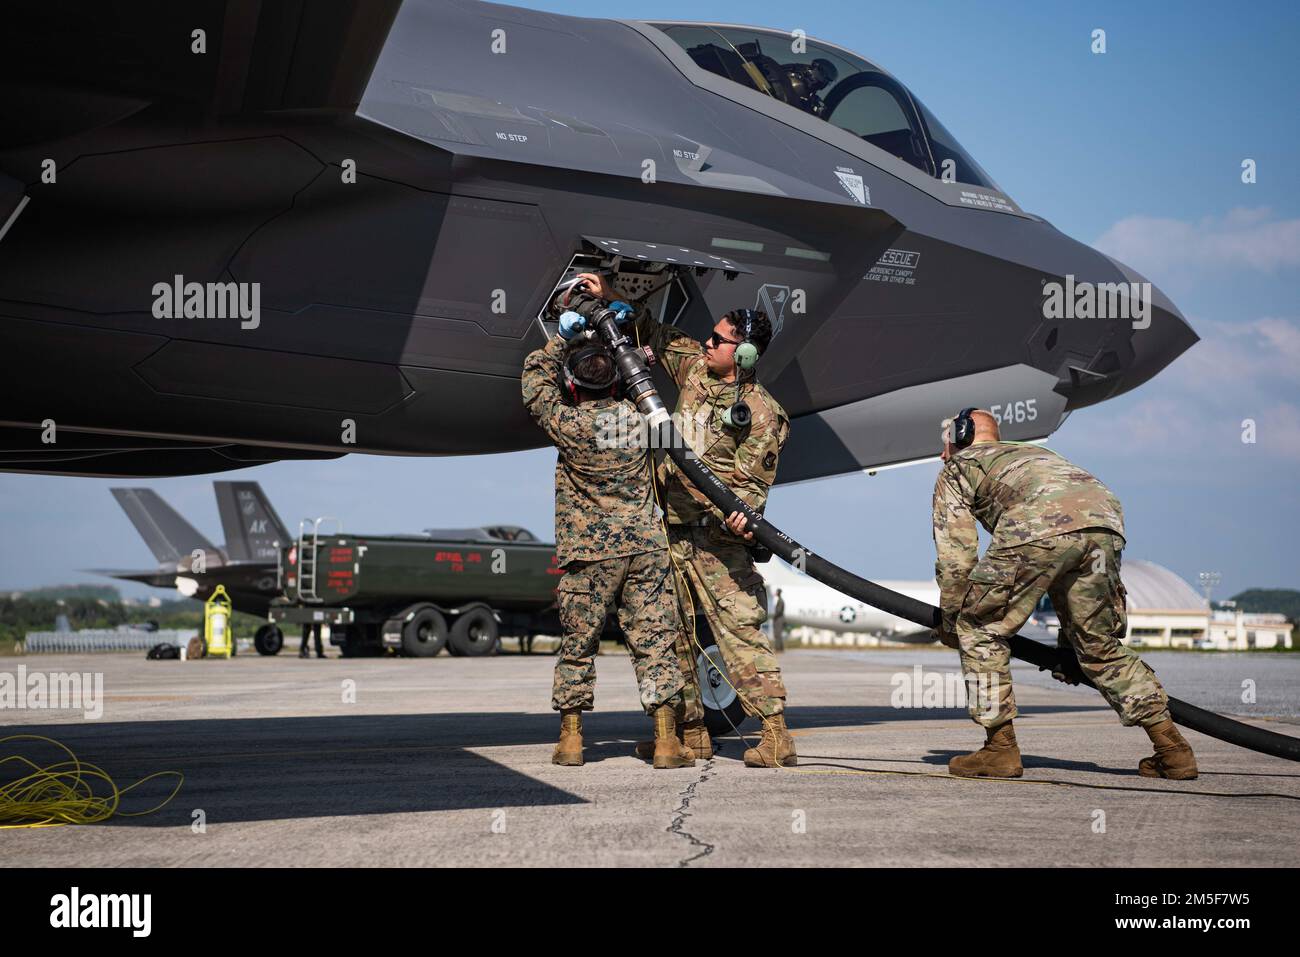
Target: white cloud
x=1194, y=411
x=1245, y=238
x=1260, y=353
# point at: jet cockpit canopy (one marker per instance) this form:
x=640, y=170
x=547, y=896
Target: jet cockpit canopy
x=834, y=85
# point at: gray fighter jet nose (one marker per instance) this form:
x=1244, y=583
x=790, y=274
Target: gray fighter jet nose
x=1160, y=335
x=1167, y=337
x=1125, y=360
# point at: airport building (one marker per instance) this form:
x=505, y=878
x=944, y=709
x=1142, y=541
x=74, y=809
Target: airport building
x=1164, y=611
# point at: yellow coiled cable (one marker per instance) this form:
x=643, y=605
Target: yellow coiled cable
x=62, y=793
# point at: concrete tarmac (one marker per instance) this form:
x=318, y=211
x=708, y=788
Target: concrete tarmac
x=446, y=762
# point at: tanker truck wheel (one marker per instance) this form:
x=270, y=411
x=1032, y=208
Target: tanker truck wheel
x=476, y=633
x=722, y=707
x=425, y=634
x=268, y=640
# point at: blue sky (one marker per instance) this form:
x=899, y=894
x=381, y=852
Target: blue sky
x=1137, y=151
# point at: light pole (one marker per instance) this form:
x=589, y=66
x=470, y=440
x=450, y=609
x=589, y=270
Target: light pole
x=1208, y=582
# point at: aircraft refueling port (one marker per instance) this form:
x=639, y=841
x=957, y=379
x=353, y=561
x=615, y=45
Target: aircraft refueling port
x=655, y=275
x=631, y=365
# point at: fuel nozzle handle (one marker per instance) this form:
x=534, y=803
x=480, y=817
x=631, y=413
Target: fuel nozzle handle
x=632, y=367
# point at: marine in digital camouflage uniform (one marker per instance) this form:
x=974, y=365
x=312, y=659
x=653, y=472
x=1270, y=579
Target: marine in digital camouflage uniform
x=1056, y=530
x=609, y=539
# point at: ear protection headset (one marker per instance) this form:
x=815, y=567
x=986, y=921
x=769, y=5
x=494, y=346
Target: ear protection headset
x=963, y=428
x=747, y=351
x=746, y=357
x=573, y=382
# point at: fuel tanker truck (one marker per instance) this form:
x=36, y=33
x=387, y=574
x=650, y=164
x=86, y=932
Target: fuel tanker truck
x=461, y=589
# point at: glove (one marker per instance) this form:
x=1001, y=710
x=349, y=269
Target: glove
x=946, y=638
x=622, y=310
x=1067, y=668
x=571, y=323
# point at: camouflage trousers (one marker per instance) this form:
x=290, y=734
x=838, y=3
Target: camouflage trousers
x=1080, y=573
x=725, y=588
x=640, y=587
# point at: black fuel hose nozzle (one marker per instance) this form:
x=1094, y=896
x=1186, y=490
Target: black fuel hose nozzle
x=632, y=368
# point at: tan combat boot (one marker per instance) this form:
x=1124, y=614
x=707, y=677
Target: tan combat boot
x=775, y=747
x=999, y=758
x=669, y=751
x=693, y=734
x=569, y=751
x=1173, y=758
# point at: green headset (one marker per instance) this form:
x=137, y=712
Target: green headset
x=746, y=357
x=747, y=352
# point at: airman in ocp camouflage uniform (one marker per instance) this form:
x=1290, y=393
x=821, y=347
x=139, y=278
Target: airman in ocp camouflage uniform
x=1056, y=530
x=611, y=543
x=709, y=548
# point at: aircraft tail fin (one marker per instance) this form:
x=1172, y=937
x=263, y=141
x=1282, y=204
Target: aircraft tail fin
x=168, y=535
x=252, y=527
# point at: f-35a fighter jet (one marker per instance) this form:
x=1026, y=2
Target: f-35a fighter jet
x=246, y=565
x=235, y=232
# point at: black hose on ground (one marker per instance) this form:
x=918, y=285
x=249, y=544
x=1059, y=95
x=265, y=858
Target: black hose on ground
x=632, y=367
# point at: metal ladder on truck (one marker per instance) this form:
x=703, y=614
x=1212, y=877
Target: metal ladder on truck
x=307, y=549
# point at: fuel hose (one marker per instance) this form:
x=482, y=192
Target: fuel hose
x=636, y=377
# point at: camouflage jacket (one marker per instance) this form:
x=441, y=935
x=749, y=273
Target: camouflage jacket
x=745, y=460
x=604, y=490
x=1020, y=493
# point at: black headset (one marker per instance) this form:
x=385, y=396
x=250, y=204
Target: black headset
x=573, y=382
x=963, y=428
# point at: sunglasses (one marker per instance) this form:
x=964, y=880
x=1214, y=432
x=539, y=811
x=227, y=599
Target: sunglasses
x=718, y=339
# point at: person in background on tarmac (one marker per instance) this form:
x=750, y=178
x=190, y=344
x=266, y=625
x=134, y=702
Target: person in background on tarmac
x=1056, y=530
x=778, y=622
x=708, y=547
x=609, y=540
x=311, y=630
